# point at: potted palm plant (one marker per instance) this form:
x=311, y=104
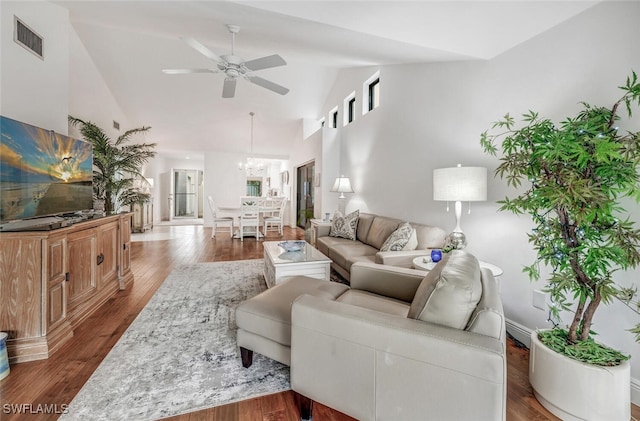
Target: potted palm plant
x=576, y=174
x=117, y=165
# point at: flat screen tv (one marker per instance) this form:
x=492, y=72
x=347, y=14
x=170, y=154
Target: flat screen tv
x=42, y=173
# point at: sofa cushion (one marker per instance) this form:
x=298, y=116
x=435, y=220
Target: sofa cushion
x=381, y=229
x=403, y=238
x=364, y=224
x=268, y=314
x=342, y=254
x=374, y=302
x=450, y=292
x=344, y=226
x=366, y=258
x=429, y=237
x=488, y=316
x=326, y=243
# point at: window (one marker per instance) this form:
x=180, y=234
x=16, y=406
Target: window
x=371, y=93
x=254, y=187
x=374, y=94
x=334, y=118
x=349, y=108
x=352, y=105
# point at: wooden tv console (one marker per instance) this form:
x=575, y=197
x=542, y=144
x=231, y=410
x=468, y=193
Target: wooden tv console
x=50, y=281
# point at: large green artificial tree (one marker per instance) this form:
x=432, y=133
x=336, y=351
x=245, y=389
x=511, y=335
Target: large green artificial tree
x=576, y=173
x=117, y=164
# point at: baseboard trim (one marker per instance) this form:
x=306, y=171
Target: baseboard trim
x=523, y=334
x=519, y=332
x=635, y=391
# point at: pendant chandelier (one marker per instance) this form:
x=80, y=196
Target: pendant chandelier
x=251, y=165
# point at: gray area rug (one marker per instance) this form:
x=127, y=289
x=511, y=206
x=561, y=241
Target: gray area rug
x=179, y=355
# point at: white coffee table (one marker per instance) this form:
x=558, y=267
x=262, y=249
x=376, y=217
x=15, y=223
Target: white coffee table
x=279, y=264
x=425, y=263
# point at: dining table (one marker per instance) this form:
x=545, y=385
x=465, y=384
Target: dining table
x=267, y=208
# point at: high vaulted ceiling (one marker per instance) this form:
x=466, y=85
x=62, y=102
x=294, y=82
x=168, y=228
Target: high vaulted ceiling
x=131, y=41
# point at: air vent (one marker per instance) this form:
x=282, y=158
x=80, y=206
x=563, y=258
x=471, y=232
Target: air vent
x=26, y=37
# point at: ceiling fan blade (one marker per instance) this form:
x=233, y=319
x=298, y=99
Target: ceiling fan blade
x=268, y=84
x=229, y=88
x=196, y=45
x=188, y=71
x=265, y=62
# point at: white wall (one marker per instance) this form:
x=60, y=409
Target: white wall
x=431, y=116
x=34, y=90
x=304, y=151
x=89, y=96
x=223, y=181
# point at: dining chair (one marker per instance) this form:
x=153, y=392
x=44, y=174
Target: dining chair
x=277, y=219
x=249, y=216
x=224, y=221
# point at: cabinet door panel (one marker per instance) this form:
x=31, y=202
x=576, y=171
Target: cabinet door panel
x=57, y=269
x=20, y=287
x=57, y=305
x=82, y=248
x=108, y=269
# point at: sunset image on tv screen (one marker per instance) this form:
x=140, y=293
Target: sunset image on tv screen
x=42, y=172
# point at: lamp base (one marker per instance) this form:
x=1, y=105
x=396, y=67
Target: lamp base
x=457, y=240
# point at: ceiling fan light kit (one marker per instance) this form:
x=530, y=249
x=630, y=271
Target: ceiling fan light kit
x=234, y=67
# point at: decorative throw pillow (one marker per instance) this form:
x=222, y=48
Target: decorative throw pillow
x=344, y=226
x=450, y=292
x=400, y=239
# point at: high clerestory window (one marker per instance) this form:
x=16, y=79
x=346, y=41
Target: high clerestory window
x=374, y=94
x=352, y=105
x=371, y=93
x=349, y=105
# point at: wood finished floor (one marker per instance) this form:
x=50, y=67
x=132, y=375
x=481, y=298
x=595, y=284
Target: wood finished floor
x=57, y=380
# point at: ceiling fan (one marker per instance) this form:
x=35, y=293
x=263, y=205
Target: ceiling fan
x=234, y=67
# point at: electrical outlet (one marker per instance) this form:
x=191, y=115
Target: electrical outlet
x=539, y=299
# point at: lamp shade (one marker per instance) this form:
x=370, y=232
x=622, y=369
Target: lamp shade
x=342, y=185
x=465, y=184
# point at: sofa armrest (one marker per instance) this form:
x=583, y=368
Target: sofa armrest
x=372, y=365
x=403, y=258
x=323, y=230
x=389, y=281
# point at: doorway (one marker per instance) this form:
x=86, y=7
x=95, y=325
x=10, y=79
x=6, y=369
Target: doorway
x=187, y=194
x=305, y=196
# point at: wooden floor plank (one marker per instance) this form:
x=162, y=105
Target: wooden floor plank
x=58, y=379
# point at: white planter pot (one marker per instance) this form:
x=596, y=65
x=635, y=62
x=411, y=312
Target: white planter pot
x=573, y=390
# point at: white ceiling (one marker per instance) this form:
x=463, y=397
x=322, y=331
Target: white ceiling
x=131, y=41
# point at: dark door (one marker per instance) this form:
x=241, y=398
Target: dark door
x=305, y=196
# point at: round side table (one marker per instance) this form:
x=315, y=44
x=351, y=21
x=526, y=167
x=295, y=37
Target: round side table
x=425, y=263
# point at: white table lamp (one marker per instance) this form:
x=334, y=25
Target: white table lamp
x=342, y=185
x=459, y=184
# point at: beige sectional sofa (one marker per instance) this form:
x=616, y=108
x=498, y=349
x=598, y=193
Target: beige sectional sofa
x=371, y=233
x=395, y=345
